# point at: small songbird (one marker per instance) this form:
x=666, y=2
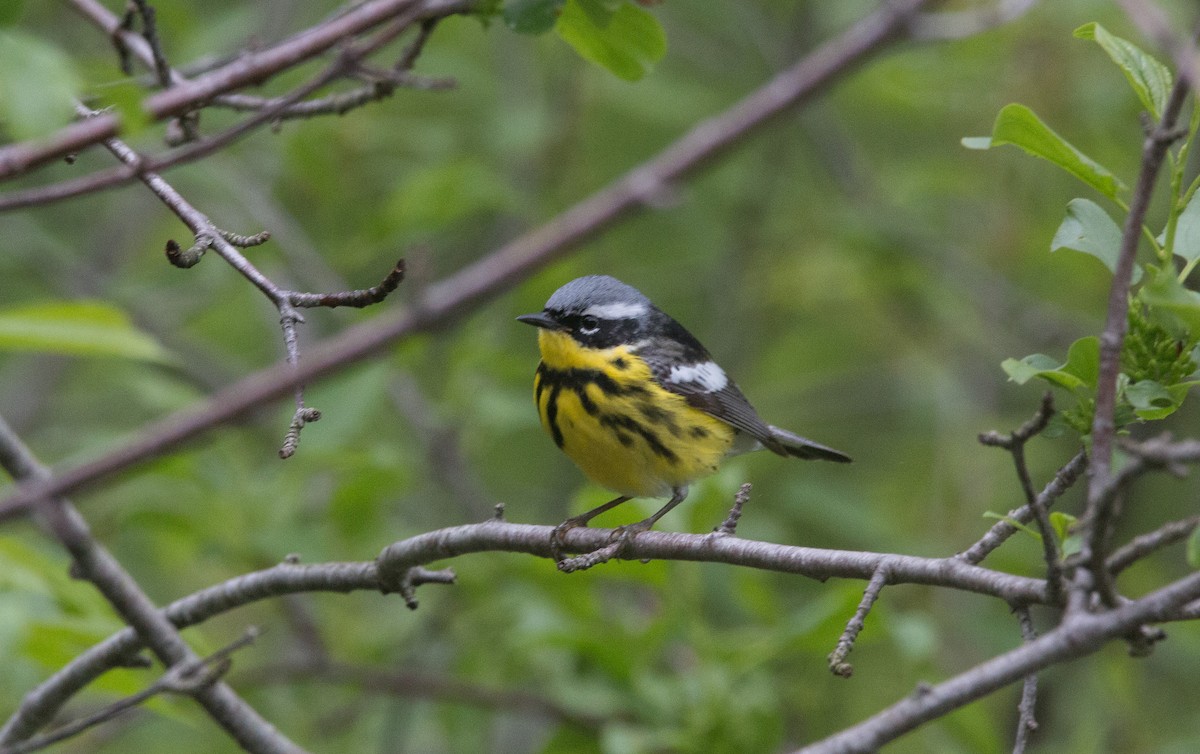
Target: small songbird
x=637, y=403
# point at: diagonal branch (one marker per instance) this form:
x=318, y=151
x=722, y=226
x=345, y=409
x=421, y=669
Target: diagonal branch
x=40, y=705
x=183, y=678
x=94, y=563
x=1079, y=635
x=250, y=69
x=1003, y=529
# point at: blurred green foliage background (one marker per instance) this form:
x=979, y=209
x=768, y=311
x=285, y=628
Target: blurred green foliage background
x=859, y=272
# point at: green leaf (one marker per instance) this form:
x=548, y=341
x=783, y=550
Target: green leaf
x=627, y=41
x=1164, y=292
x=1088, y=229
x=83, y=328
x=1150, y=79
x=1014, y=523
x=1187, y=230
x=1072, y=545
x=38, y=86
x=1081, y=369
x=1147, y=394
x=532, y=16
x=1019, y=126
x=1083, y=360
x=1062, y=523
x=1069, y=543
x=1152, y=401
x=1023, y=370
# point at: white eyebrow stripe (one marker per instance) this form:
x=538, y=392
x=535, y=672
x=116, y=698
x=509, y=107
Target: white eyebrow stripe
x=706, y=374
x=620, y=310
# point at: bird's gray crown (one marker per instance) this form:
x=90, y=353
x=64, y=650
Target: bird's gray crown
x=600, y=296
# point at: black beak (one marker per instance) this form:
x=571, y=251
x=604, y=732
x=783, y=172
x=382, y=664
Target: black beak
x=542, y=320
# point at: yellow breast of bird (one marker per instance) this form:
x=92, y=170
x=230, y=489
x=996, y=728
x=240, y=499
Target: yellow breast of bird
x=627, y=433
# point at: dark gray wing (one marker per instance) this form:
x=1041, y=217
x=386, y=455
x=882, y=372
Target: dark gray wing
x=683, y=366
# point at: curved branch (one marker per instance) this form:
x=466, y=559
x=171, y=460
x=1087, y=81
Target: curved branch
x=396, y=559
x=399, y=568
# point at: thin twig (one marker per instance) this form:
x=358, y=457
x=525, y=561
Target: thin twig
x=728, y=527
x=150, y=33
x=1014, y=443
x=359, y=299
x=182, y=678
x=225, y=245
x=1027, y=707
x=1143, y=545
x=837, y=658
x=1100, y=497
x=1003, y=529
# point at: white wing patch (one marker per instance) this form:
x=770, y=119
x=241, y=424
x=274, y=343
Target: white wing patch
x=707, y=375
x=619, y=310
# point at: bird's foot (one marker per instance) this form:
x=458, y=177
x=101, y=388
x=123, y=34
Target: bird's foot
x=557, y=534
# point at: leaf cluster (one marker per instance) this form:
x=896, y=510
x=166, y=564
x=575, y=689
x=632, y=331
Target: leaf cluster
x=1158, y=357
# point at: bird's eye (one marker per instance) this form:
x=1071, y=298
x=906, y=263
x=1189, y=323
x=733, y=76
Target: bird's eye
x=589, y=325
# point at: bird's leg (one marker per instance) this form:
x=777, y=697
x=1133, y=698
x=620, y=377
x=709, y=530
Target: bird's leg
x=625, y=533
x=556, y=536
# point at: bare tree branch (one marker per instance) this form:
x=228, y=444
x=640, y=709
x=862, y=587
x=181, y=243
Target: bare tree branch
x=1026, y=709
x=837, y=659
x=1099, y=496
x=1145, y=544
x=1078, y=635
x=396, y=559
x=349, y=59
x=184, y=678
x=1014, y=443
x=252, y=68
x=399, y=568
x=40, y=705
x=94, y=563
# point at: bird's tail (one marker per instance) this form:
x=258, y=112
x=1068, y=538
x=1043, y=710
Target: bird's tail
x=791, y=444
